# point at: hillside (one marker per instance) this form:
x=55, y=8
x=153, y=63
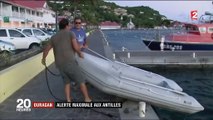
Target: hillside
x=96, y=11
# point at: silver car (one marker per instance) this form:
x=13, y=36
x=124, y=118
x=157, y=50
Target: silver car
x=35, y=32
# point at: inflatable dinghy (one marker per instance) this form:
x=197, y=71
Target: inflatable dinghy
x=129, y=82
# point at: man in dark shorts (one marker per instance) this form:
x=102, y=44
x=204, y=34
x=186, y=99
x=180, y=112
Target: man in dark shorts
x=64, y=48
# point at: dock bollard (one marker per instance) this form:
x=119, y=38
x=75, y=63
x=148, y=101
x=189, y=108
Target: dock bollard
x=142, y=109
x=113, y=56
x=194, y=55
x=123, y=48
x=162, y=43
x=128, y=55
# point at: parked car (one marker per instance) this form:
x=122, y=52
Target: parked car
x=49, y=31
x=6, y=50
x=7, y=47
x=35, y=32
x=19, y=39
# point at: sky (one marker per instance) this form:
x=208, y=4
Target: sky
x=175, y=10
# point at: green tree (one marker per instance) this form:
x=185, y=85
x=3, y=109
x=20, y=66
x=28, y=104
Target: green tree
x=92, y=13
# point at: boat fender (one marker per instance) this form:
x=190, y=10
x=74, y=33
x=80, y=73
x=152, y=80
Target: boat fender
x=212, y=36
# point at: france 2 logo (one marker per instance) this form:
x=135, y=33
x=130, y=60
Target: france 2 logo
x=24, y=105
x=194, y=15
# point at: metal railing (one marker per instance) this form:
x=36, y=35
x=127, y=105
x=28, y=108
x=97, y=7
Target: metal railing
x=165, y=57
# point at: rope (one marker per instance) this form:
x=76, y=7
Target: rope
x=99, y=54
x=97, y=111
x=48, y=86
x=51, y=71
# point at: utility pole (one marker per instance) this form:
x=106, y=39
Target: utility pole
x=56, y=8
x=56, y=20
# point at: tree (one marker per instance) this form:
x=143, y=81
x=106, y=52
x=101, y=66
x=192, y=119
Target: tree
x=93, y=14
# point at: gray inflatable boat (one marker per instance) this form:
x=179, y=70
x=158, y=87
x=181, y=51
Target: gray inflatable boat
x=129, y=82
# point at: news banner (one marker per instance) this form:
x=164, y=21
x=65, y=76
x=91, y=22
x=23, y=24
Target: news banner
x=25, y=105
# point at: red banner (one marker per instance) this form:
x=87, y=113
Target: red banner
x=43, y=104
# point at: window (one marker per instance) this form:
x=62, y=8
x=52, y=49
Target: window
x=53, y=15
x=14, y=9
x=14, y=33
x=22, y=10
x=27, y=32
x=202, y=29
x=38, y=33
x=210, y=30
x=3, y=33
x=28, y=12
x=33, y=12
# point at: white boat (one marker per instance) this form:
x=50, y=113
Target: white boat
x=132, y=83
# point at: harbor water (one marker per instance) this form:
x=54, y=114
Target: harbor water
x=197, y=82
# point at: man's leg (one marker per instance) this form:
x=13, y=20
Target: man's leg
x=67, y=92
x=84, y=90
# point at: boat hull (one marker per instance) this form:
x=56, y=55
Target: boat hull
x=112, y=78
x=174, y=46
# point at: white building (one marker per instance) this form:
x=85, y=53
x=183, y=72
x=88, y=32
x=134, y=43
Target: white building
x=120, y=11
x=130, y=24
x=25, y=13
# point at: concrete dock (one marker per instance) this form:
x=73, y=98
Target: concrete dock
x=36, y=90
x=168, y=59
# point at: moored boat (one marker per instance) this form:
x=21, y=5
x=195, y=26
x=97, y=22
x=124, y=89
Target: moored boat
x=173, y=45
x=198, y=37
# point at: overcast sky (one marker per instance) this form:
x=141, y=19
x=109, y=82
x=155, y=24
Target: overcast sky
x=176, y=10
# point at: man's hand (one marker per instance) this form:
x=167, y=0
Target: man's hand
x=43, y=61
x=81, y=55
x=85, y=46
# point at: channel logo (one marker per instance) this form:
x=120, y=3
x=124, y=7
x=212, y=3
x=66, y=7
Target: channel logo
x=194, y=15
x=25, y=105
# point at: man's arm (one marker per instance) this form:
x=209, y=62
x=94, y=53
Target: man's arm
x=76, y=47
x=45, y=53
x=85, y=43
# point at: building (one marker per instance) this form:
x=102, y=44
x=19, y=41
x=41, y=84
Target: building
x=109, y=25
x=120, y=11
x=26, y=13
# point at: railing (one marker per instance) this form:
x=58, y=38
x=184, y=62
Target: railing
x=165, y=57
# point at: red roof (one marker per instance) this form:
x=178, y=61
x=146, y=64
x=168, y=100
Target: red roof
x=109, y=23
x=29, y=3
